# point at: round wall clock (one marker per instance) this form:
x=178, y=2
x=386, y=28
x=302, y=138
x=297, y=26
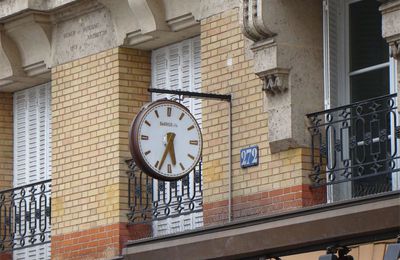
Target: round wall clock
x=165, y=140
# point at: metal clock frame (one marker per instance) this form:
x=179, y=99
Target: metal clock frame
x=135, y=147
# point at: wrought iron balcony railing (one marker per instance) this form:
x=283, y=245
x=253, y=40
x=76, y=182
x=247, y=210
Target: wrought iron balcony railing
x=25, y=216
x=152, y=200
x=356, y=144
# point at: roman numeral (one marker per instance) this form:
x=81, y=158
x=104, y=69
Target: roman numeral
x=182, y=115
x=190, y=156
x=144, y=137
x=169, y=168
x=156, y=112
x=190, y=127
x=169, y=111
x=156, y=165
x=194, y=142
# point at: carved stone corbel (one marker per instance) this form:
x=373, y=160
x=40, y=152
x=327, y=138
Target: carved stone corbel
x=275, y=81
x=25, y=51
x=252, y=22
x=33, y=35
x=150, y=15
x=10, y=60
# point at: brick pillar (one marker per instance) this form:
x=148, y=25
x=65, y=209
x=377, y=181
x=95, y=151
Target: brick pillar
x=280, y=181
x=94, y=100
x=6, y=148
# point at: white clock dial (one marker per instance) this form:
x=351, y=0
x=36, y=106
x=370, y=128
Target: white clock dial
x=168, y=140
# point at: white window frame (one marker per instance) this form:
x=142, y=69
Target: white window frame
x=343, y=84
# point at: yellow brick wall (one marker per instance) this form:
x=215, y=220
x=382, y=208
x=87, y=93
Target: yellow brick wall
x=222, y=39
x=6, y=140
x=93, y=102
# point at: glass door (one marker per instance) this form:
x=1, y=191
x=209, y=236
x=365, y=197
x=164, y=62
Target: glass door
x=368, y=76
x=357, y=68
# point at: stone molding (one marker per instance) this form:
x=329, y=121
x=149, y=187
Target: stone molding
x=38, y=35
x=390, y=30
x=251, y=20
x=182, y=22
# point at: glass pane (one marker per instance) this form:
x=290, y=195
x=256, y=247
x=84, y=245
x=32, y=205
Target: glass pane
x=370, y=84
x=367, y=47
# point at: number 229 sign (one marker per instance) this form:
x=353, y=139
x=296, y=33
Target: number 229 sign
x=249, y=156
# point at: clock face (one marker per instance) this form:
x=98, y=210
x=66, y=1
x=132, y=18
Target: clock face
x=165, y=140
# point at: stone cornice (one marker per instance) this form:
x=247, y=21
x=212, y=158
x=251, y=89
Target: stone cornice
x=389, y=6
x=52, y=32
x=9, y=9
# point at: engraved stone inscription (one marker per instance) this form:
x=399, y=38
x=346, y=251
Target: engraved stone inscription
x=84, y=35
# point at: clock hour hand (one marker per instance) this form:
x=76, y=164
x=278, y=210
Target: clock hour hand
x=172, y=149
x=170, y=141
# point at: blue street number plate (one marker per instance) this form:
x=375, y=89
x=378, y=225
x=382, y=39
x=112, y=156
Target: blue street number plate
x=249, y=156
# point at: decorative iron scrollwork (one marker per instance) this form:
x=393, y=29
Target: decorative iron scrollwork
x=151, y=200
x=25, y=216
x=354, y=143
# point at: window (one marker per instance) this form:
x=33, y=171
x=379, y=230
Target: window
x=358, y=68
x=32, y=151
x=177, y=67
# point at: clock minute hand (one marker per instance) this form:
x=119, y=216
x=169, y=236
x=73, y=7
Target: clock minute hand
x=170, y=139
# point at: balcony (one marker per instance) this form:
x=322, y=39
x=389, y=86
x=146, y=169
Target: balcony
x=25, y=216
x=168, y=206
x=355, y=148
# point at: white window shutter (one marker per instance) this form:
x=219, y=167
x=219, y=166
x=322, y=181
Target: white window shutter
x=174, y=67
x=20, y=144
x=178, y=67
x=186, y=71
x=159, y=77
x=196, y=78
x=32, y=149
x=331, y=52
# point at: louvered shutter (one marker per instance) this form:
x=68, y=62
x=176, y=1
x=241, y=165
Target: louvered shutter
x=331, y=52
x=159, y=77
x=336, y=91
x=32, y=149
x=196, y=78
x=186, y=80
x=177, y=67
x=174, y=67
